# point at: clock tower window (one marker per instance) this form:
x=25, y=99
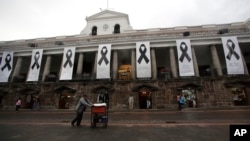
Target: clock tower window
x=117, y=29
x=94, y=30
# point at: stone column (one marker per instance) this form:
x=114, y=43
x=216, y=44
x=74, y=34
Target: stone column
x=80, y=64
x=244, y=65
x=173, y=62
x=196, y=68
x=94, y=67
x=133, y=62
x=216, y=61
x=153, y=64
x=17, y=68
x=47, y=67
x=115, y=65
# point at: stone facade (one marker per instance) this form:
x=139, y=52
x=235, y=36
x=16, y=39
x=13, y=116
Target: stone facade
x=212, y=92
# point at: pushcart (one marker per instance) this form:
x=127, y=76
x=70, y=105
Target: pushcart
x=99, y=115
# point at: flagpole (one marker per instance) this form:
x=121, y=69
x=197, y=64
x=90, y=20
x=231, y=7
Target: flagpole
x=107, y=4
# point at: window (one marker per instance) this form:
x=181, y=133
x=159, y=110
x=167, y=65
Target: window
x=125, y=72
x=204, y=70
x=94, y=30
x=117, y=28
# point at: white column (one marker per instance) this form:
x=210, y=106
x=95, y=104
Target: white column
x=17, y=68
x=153, y=64
x=47, y=67
x=173, y=62
x=115, y=65
x=196, y=68
x=80, y=64
x=216, y=61
x=133, y=61
x=94, y=67
x=244, y=65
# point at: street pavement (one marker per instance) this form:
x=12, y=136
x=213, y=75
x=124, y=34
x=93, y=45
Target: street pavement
x=144, y=125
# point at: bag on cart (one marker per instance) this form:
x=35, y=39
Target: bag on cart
x=81, y=108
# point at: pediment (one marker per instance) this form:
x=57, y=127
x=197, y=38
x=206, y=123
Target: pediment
x=106, y=14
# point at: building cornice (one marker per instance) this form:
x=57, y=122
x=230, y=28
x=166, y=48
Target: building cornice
x=161, y=37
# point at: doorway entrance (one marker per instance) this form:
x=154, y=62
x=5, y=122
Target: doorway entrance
x=145, y=99
x=240, y=96
x=191, y=98
x=65, y=100
x=103, y=97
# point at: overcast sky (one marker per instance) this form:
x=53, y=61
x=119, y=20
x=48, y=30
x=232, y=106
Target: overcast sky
x=29, y=19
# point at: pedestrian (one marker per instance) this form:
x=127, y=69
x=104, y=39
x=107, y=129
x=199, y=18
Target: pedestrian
x=36, y=103
x=18, y=103
x=178, y=101
x=148, y=102
x=80, y=108
x=182, y=102
x=131, y=102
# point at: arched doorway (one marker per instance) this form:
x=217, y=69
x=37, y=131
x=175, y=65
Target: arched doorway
x=102, y=94
x=189, y=91
x=239, y=91
x=3, y=92
x=145, y=99
x=29, y=92
x=65, y=96
x=146, y=96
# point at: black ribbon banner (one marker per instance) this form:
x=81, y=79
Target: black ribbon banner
x=68, y=57
x=104, y=52
x=7, y=62
x=184, y=52
x=231, y=46
x=143, y=54
x=36, y=57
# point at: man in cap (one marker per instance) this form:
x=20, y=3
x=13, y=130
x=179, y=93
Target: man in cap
x=80, y=108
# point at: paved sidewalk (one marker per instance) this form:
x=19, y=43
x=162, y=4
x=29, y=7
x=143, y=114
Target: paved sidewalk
x=54, y=125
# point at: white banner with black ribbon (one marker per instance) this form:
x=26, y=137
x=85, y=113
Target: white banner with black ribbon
x=6, y=66
x=103, y=62
x=185, y=61
x=67, y=63
x=35, y=65
x=232, y=55
x=143, y=62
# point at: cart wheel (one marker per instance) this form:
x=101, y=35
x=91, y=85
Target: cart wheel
x=93, y=125
x=105, y=125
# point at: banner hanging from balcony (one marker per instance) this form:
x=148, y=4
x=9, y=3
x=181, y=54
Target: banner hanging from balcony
x=143, y=62
x=6, y=66
x=35, y=65
x=232, y=55
x=67, y=63
x=185, y=60
x=103, y=62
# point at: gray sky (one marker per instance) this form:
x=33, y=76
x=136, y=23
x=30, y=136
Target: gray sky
x=28, y=19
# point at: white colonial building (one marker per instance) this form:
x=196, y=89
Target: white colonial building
x=110, y=61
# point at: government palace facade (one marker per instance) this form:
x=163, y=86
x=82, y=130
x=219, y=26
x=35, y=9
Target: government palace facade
x=110, y=62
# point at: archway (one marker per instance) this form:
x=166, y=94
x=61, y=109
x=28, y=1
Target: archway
x=240, y=91
x=3, y=92
x=29, y=92
x=65, y=97
x=94, y=30
x=117, y=29
x=145, y=96
x=189, y=91
x=145, y=99
x=103, y=94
